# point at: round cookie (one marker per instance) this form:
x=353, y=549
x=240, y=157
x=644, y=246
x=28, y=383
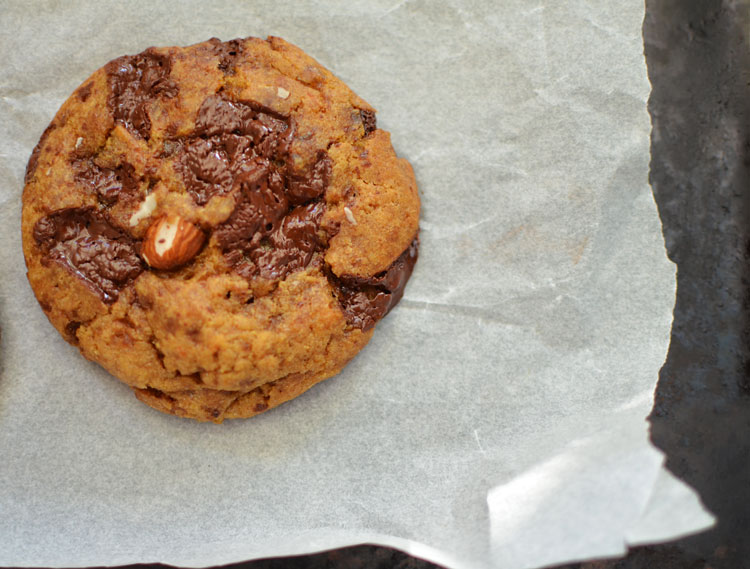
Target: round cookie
x=220, y=226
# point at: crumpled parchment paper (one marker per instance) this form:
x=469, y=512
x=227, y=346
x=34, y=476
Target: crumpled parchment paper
x=497, y=418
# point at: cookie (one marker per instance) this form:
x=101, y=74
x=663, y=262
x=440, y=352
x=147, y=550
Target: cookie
x=220, y=226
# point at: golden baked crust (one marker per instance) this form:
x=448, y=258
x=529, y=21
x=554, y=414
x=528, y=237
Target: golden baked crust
x=283, y=225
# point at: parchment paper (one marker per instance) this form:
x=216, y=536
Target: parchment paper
x=497, y=419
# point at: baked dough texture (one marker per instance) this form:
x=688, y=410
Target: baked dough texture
x=220, y=226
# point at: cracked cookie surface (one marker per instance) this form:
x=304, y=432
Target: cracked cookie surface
x=220, y=226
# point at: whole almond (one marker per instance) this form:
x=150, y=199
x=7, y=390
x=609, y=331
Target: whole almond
x=171, y=242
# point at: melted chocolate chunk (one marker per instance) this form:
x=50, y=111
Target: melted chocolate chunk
x=109, y=185
x=134, y=81
x=84, y=243
x=227, y=52
x=302, y=189
x=291, y=245
x=242, y=148
x=261, y=207
x=369, y=122
x=206, y=170
x=260, y=240
x=219, y=116
x=230, y=138
x=367, y=300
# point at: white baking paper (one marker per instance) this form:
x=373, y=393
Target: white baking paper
x=497, y=418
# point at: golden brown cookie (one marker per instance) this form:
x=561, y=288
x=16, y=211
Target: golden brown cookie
x=220, y=226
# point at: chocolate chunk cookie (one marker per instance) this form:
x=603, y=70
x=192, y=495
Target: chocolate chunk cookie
x=220, y=226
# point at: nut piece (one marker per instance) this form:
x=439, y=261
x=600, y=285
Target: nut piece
x=171, y=242
x=145, y=210
x=350, y=216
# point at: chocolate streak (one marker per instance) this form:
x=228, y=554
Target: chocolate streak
x=85, y=244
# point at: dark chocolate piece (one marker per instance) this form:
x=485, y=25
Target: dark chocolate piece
x=312, y=184
x=134, y=81
x=206, y=170
x=261, y=207
x=292, y=244
x=71, y=329
x=109, y=185
x=274, y=227
x=259, y=240
x=367, y=300
x=84, y=243
x=84, y=91
x=369, y=122
x=229, y=135
x=228, y=52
